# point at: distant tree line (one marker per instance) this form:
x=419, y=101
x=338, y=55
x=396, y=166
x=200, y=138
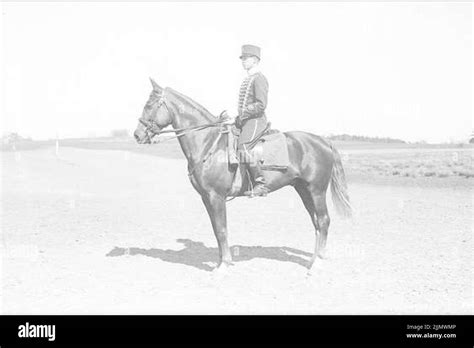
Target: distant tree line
x=120, y=133
x=11, y=138
x=348, y=137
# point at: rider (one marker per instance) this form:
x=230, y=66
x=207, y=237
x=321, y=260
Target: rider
x=251, y=117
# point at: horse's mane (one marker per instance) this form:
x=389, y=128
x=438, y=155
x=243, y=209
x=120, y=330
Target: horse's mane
x=193, y=104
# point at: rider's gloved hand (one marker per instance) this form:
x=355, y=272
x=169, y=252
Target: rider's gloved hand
x=224, y=116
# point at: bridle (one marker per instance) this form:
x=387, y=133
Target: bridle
x=152, y=127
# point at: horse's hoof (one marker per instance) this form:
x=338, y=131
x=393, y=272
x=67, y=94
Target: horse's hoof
x=317, y=264
x=323, y=255
x=220, y=272
x=222, y=267
x=225, y=264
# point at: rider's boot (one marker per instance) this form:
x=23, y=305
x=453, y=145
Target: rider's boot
x=260, y=190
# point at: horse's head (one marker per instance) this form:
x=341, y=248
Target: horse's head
x=155, y=116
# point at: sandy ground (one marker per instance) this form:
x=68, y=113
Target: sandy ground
x=124, y=233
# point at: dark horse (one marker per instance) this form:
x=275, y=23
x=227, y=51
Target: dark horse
x=314, y=164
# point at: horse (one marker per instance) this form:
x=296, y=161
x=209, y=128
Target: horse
x=314, y=164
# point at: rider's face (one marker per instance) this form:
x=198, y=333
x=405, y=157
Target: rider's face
x=249, y=62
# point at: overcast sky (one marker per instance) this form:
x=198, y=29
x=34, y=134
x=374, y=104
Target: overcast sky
x=401, y=70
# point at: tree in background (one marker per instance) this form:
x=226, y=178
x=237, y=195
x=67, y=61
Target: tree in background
x=119, y=133
x=12, y=138
x=348, y=137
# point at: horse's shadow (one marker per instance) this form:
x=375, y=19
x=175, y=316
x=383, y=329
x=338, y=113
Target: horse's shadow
x=197, y=255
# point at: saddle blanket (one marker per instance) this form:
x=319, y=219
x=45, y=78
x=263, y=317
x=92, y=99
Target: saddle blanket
x=272, y=151
x=270, y=148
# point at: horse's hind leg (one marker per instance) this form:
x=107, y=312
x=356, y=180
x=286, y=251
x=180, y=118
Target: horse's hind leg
x=308, y=202
x=315, y=203
x=319, y=199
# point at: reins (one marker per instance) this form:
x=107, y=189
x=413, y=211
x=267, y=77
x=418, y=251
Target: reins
x=186, y=130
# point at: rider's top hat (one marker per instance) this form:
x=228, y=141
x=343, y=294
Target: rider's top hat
x=249, y=51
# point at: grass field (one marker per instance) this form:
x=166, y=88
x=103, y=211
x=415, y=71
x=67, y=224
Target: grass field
x=362, y=161
x=412, y=163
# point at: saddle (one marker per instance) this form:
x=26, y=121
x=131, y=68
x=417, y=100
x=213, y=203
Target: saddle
x=269, y=147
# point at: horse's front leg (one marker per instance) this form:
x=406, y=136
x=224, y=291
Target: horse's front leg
x=216, y=208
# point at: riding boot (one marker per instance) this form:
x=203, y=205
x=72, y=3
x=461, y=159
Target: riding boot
x=260, y=190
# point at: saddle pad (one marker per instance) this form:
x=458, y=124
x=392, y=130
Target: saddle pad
x=272, y=150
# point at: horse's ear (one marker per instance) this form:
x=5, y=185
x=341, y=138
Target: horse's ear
x=155, y=85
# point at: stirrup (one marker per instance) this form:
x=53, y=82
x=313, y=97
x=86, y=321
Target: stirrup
x=259, y=191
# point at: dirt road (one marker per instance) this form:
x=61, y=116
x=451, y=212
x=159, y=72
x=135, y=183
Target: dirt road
x=118, y=232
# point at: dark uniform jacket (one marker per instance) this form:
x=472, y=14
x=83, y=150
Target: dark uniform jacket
x=252, y=103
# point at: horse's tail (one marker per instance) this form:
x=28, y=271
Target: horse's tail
x=340, y=196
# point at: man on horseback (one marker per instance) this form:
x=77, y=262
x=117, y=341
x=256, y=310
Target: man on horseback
x=315, y=165
x=251, y=119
